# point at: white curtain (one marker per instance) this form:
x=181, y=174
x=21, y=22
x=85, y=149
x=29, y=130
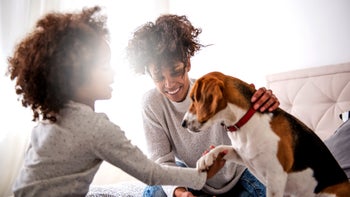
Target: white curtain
x=16, y=18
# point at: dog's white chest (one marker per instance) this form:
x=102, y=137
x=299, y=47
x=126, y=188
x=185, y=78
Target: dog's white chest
x=255, y=137
x=257, y=145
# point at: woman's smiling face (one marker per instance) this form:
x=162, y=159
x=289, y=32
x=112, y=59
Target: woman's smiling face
x=171, y=80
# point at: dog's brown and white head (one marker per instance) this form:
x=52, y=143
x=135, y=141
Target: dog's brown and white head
x=212, y=96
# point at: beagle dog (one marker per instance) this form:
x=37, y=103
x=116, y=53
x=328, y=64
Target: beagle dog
x=280, y=150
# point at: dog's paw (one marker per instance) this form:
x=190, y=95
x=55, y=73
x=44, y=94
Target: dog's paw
x=207, y=160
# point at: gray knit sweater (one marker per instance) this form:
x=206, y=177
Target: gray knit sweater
x=167, y=140
x=63, y=158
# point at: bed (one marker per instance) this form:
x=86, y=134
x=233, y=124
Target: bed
x=315, y=95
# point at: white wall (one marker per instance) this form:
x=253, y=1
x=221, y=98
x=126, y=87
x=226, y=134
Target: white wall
x=253, y=38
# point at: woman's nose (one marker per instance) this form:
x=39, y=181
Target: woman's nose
x=168, y=81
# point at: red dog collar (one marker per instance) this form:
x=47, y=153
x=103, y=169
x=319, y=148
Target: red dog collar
x=242, y=121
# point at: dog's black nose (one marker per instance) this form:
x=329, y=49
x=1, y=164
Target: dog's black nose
x=184, y=124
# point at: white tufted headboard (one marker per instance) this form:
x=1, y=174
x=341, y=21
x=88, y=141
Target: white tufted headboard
x=314, y=95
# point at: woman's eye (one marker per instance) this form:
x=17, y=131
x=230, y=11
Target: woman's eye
x=158, y=78
x=176, y=74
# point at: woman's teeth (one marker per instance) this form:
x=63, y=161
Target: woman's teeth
x=174, y=92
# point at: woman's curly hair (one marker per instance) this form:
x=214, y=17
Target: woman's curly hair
x=171, y=38
x=52, y=60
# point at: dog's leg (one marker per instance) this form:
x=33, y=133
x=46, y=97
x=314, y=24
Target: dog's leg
x=301, y=183
x=276, y=179
x=268, y=170
x=207, y=160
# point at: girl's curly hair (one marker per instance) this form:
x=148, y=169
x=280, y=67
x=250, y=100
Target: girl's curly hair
x=171, y=38
x=52, y=60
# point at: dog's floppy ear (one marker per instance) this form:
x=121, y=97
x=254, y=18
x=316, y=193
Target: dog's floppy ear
x=218, y=96
x=212, y=101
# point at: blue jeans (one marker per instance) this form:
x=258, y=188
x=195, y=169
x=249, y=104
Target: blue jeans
x=247, y=186
x=250, y=186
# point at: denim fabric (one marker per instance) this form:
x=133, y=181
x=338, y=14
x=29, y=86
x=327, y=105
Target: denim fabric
x=252, y=187
x=247, y=186
x=154, y=191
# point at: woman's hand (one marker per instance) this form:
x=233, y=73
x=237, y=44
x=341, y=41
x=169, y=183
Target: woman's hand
x=213, y=169
x=218, y=163
x=182, y=192
x=264, y=99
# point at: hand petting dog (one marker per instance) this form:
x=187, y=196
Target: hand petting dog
x=264, y=99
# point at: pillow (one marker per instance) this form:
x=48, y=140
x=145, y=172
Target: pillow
x=339, y=145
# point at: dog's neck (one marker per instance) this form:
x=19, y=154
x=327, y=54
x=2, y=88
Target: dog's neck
x=245, y=118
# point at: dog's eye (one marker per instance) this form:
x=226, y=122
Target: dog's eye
x=202, y=122
x=210, y=98
x=192, y=98
x=198, y=96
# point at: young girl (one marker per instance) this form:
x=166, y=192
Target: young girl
x=61, y=69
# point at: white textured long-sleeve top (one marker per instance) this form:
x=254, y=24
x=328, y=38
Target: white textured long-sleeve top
x=63, y=157
x=167, y=140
